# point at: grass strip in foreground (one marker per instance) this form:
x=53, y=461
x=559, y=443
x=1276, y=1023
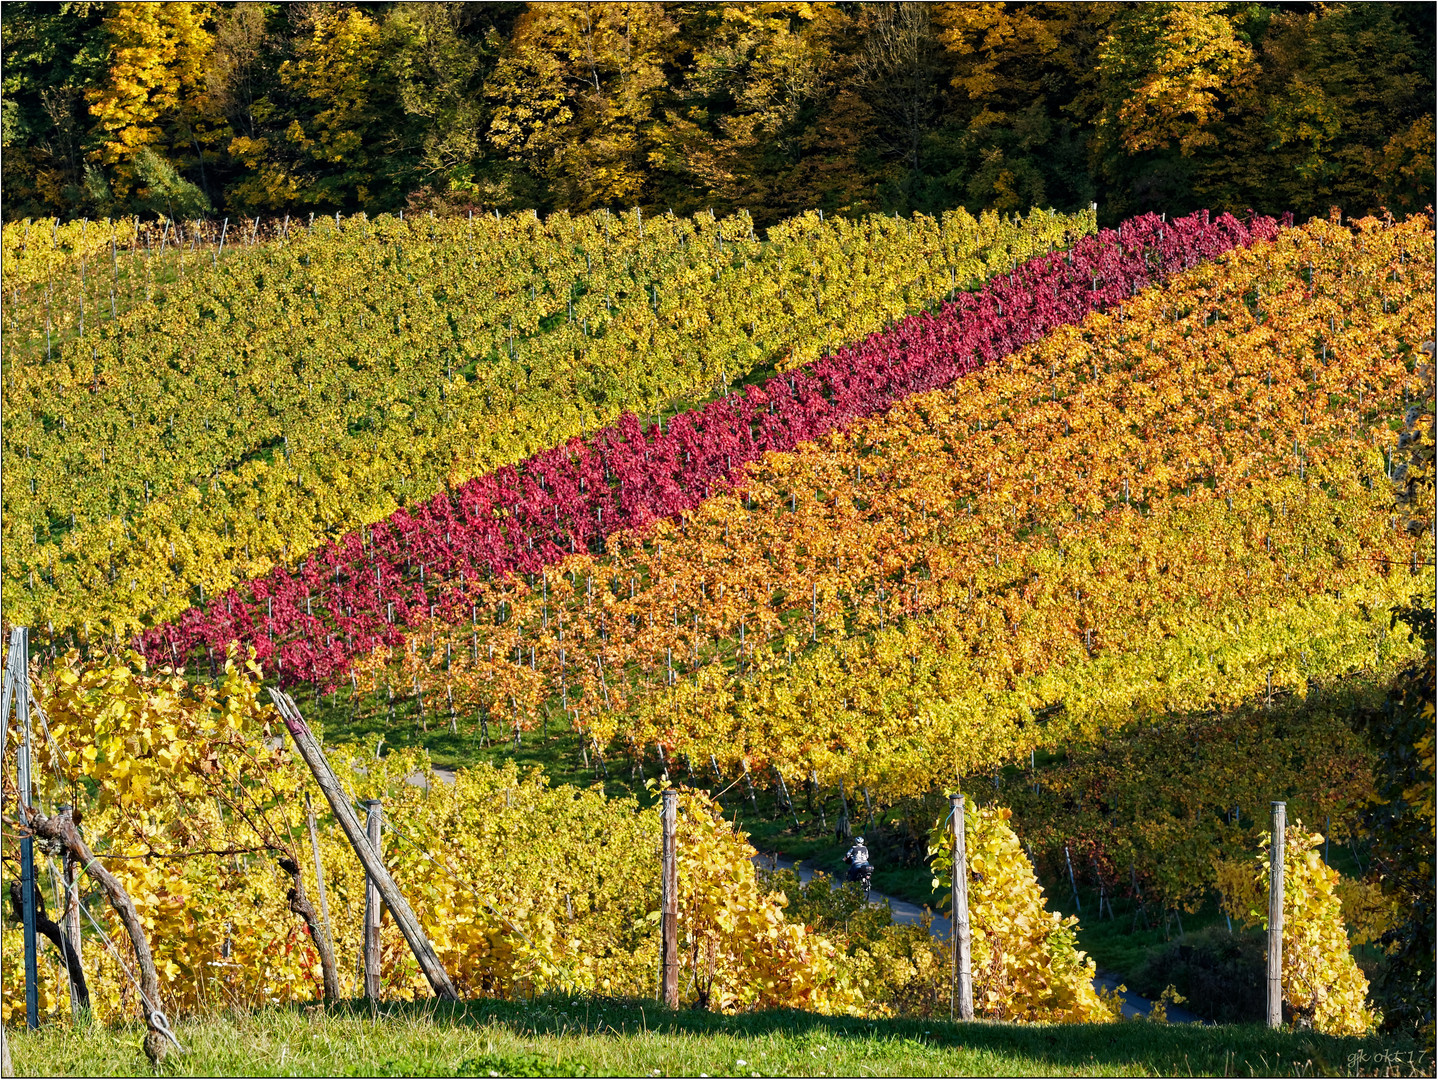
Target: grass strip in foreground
x=598, y=1037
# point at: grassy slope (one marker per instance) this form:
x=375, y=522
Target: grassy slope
x=563, y=1037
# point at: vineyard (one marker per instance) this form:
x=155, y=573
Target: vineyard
x=240, y=412
x=1112, y=530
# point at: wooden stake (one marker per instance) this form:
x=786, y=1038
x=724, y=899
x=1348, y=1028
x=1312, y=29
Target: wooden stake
x=1275, y=917
x=962, y=1001
x=374, y=820
x=669, y=904
x=1073, y=884
x=72, y=914
x=374, y=867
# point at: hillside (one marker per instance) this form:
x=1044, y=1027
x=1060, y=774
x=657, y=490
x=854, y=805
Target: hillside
x=1106, y=529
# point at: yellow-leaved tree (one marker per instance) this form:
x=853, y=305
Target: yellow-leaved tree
x=575, y=95
x=1164, y=73
x=155, y=96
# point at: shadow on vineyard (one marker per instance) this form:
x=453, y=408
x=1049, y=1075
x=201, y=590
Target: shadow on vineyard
x=1273, y=743
x=1150, y=940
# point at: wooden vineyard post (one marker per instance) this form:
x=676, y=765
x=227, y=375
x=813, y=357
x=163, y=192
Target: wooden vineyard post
x=374, y=866
x=374, y=820
x=1275, y=917
x=72, y=916
x=1073, y=882
x=669, y=905
x=962, y=1001
x=320, y=878
x=16, y=692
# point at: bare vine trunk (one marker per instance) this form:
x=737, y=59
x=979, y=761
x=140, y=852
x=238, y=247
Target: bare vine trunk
x=61, y=829
x=301, y=906
x=56, y=936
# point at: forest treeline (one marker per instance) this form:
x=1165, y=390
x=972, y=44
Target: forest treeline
x=191, y=109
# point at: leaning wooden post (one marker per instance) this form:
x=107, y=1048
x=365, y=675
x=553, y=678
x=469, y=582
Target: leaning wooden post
x=962, y=1001
x=1275, y=917
x=374, y=866
x=374, y=819
x=669, y=905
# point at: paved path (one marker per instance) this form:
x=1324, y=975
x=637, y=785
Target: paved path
x=905, y=912
x=417, y=779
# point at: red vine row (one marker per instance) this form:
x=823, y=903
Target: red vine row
x=368, y=587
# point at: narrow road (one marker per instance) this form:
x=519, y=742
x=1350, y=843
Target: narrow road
x=905, y=912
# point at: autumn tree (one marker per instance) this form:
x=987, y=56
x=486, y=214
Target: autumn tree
x=241, y=71
x=154, y=94
x=53, y=53
x=449, y=50
x=767, y=116
x=1024, y=95
x=898, y=73
x=1167, y=72
x=346, y=145
x=1339, y=112
x=576, y=93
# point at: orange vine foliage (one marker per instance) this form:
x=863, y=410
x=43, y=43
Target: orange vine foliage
x=1182, y=495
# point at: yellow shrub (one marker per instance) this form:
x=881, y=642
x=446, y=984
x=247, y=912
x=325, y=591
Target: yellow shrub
x=1026, y=964
x=1321, y=982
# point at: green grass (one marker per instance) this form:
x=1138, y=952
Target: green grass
x=561, y=1036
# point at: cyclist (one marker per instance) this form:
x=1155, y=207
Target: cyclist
x=858, y=860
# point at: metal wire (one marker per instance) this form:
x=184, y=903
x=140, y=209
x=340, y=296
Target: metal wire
x=153, y=1014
